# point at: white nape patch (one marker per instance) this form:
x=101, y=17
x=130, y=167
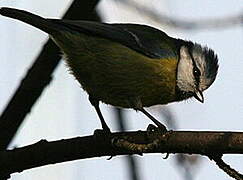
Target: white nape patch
x=200, y=61
x=185, y=77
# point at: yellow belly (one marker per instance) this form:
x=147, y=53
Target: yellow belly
x=117, y=75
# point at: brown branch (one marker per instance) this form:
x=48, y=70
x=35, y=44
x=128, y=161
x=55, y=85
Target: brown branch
x=225, y=167
x=44, y=153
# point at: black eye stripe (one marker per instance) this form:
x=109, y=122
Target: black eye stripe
x=196, y=71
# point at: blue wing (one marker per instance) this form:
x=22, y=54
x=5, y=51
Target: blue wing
x=144, y=39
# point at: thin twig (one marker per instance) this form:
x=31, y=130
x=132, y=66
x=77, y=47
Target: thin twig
x=213, y=23
x=226, y=168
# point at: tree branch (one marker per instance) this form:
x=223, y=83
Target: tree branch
x=190, y=142
x=225, y=167
x=197, y=24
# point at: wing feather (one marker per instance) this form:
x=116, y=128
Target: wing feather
x=142, y=38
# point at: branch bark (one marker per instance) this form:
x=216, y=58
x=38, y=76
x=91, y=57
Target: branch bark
x=139, y=142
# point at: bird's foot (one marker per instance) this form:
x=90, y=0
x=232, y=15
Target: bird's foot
x=151, y=129
x=105, y=129
x=124, y=143
x=159, y=125
x=159, y=128
x=102, y=133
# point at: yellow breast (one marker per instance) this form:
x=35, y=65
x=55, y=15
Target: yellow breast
x=118, y=75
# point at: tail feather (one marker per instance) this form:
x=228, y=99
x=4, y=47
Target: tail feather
x=32, y=19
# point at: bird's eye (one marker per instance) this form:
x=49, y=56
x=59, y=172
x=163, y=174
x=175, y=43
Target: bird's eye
x=196, y=72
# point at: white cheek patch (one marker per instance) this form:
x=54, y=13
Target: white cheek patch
x=185, y=77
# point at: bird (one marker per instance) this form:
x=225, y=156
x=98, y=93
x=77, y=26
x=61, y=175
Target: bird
x=128, y=65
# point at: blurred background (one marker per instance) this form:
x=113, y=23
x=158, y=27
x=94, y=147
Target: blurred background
x=63, y=110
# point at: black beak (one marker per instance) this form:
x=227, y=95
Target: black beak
x=199, y=96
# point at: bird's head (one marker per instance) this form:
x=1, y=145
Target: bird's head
x=196, y=71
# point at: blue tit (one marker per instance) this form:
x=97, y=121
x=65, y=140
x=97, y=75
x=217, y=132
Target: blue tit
x=128, y=65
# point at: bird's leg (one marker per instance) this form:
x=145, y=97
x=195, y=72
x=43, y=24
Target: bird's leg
x=158, y=124
x=95, y=103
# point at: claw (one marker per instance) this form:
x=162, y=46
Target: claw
x=166, y=156
x=152, y=128
x=109, y=158
x=100, y=134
